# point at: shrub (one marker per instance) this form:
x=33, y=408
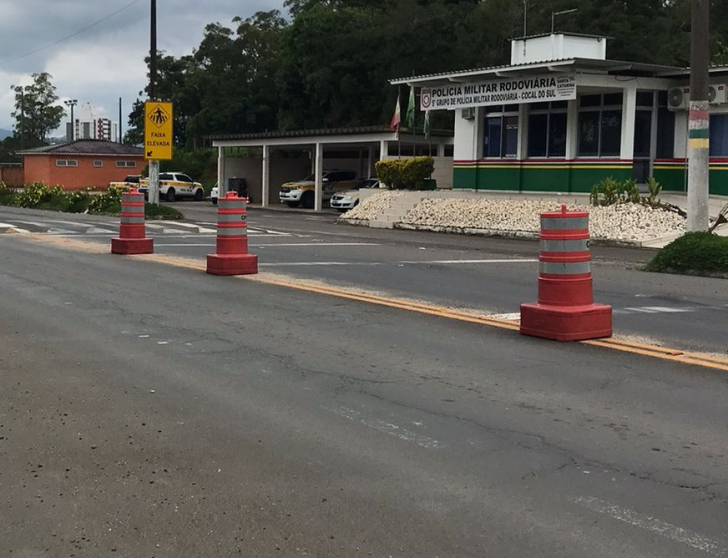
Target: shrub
x=698, y=253
x=108, y=202
x=405, y=174
x=609, y=192
x=38, y=194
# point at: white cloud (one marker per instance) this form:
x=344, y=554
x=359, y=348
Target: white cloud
x=106, y=61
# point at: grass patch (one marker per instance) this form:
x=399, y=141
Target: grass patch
x=695, y=253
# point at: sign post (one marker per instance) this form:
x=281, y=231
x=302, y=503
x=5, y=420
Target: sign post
x=157, y=141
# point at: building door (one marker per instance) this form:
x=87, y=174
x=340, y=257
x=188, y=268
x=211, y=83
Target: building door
x=642, y=166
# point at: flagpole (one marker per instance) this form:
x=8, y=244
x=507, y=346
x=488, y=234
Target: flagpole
x=399, y=137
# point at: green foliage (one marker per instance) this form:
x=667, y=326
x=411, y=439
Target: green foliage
x=6, y=194
x=37, y=194
x=696, y=253
x=107, y=202
x=199, y=164
x=329, y=62
x=152, y=211
x=609, y=192
x=606, y=192
x=654, y=189
x=36, y=113
x=405, y=174
x=630, y=192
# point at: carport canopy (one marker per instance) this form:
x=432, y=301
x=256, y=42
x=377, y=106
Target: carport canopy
x=371, y=138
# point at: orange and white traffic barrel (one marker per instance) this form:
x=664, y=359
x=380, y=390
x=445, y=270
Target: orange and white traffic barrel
x=232, y=257
x=132, y=237
x=565, y=310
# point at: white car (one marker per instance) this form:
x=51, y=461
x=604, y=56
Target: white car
x=214, y=194
x=344, y=201
x=174, y=185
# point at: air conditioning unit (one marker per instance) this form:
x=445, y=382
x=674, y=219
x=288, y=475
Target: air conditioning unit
x=678, y=98
x=717, y=94
x=468, y=113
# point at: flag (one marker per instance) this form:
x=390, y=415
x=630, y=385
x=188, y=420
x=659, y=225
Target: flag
x=396, y=117
x=427, y=124
x=411, y=109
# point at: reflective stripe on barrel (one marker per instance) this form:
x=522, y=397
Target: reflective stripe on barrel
x=132, y=208
x=565, y=245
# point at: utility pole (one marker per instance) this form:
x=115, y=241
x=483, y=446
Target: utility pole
x=153, y=164
x=71, y=103
x=699, y=119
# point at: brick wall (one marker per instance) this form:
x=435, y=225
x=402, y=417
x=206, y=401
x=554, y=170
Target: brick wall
x=92, y=171
x=12, y=176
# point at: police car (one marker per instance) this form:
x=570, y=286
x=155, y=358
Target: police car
x=173, y=186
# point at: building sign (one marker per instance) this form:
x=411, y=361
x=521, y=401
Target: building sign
x=499, y=92
x=157, y=131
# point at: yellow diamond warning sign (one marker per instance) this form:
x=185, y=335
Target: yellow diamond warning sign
x=157, y=130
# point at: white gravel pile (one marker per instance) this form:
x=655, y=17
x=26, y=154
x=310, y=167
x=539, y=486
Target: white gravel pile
x=623, y=222
x=374, y=205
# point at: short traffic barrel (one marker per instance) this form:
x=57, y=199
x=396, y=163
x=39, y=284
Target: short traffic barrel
x=232, y=257
x=132, y=231
x=565, y=310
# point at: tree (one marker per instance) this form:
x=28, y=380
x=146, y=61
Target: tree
x=36, y=112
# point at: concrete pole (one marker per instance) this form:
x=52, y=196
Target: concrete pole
x=319, y=172
x=264, y=202
x=699, y=119
x=154, y=182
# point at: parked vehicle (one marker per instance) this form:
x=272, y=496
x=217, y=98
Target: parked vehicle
x=214, y=194
x=349, y=199
x=131, y=181
x=301, y=192
x=174, y=185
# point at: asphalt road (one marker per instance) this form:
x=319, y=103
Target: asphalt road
x=154, y=410
x=486, y=274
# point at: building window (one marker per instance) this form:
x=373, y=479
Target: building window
x=124, y=164
x=600, y=125
x=66, y=163
x=500, y=137
x=98, y=163
x=719, y=135
x=547, y=130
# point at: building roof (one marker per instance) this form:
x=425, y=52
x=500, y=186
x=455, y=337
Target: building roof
x=612, y=67
x=87, y=147
x=305, y=133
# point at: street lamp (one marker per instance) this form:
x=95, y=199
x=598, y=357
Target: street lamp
x=71, y=103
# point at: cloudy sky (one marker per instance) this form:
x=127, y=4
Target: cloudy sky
x=95, y=49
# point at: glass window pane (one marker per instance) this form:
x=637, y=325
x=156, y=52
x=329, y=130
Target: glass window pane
x=537, y=133
x=588, y=134
x=559, y=104
x=718, y=135
x=492, y=139
x=645, y=98
x=611, y=133
x=510, y=140
x=557, y=135
x=613, y=99
x=590, y=100
x=642, y=133
x=665, y=134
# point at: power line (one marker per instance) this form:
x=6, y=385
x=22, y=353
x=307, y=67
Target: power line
x=129, y=5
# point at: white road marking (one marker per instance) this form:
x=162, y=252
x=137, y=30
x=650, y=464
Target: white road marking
x=656, y=309
x=511, y=316
x=387, y=428
x=470, y=261
x=666, y=309
x=428, y=262
x=649, y=523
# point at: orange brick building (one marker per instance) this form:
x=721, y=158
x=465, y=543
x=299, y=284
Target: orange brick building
x=84, y=163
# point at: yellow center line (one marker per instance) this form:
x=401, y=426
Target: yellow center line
x=652, y=351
